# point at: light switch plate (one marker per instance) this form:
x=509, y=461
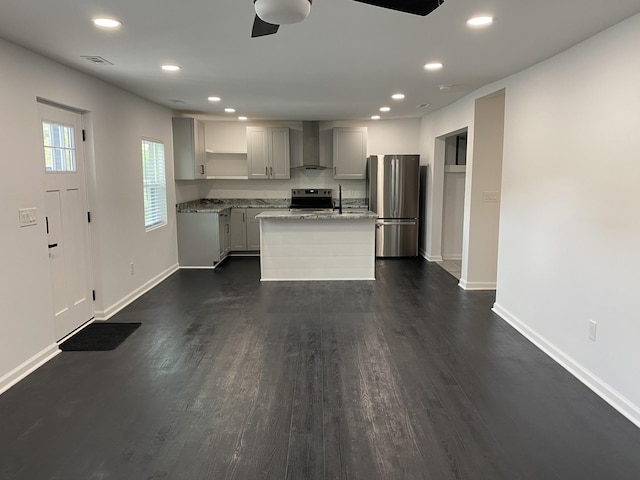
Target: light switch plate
x=28, y=217
x=592, y=330
x=491, y=197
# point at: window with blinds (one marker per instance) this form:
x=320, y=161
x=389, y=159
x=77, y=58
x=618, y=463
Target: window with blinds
x=155, y=184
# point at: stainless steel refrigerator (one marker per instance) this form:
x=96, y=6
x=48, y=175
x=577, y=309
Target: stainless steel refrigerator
x=393, y=193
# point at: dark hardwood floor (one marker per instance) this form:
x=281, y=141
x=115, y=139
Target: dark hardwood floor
x=407, y=377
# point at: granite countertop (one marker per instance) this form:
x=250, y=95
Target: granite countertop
x=354, y=214
x=217, y=205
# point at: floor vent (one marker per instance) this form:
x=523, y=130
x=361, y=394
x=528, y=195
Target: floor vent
x=96, y=59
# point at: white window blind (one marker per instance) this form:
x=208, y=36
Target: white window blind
x=155, y=184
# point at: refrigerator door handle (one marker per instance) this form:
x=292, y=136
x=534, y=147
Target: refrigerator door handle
x=396, y=222
x=394, y=186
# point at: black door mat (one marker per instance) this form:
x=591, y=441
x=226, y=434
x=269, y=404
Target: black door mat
x=99, y=337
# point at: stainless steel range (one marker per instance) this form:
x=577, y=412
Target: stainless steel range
x=311, y=199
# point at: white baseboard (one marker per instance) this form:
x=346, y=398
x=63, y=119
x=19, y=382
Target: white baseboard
x=451, y=257
x=316, y=279
x=110, y=311
x=597, y=385
x=21, y=371
x=477, y=285
x=192, y=267
x=431, y=258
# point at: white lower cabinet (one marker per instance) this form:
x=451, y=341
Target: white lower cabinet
x=225, y=232
x=198, y=239
x=245, y=229
x=238, y=229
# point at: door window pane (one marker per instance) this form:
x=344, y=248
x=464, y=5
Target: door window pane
x=59, y=147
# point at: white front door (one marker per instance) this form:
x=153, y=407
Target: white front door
x=66, y=218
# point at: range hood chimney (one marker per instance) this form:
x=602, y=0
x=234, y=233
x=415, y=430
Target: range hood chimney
x=311, y=147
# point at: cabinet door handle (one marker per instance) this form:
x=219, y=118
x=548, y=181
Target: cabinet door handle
x=201, y=169
x=53, y=245
x=335, y=170
x=266, y=171
x=271, y=168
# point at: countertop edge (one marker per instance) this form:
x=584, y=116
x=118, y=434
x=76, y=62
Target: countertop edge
x=208, y=205
x=287, y=215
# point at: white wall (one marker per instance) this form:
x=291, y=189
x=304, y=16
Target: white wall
x=482, y=212
x=384, y=136
x=117, y=120
x=569, y=228
x=452, y=215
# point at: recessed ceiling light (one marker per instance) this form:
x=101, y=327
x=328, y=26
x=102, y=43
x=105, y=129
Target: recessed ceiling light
x=385, y=109
x=213, y=99
x=480, y=21
x=230, y=110
x=375, y=117
x=242, y=118
x=398, y=96
x=171, y=68
x=433, y=66
x=107, y=22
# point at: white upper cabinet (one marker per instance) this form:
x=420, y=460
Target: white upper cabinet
x=349, y=152
x=279, y=155
x=268, y=152
x=257, y=157
x=188, y=149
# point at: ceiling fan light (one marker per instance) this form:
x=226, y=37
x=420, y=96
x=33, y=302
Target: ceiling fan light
x=282, y=12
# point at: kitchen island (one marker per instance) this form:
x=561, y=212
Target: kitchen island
x=317, y=245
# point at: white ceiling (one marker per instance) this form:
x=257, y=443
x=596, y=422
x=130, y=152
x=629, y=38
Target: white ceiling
x=342, y=63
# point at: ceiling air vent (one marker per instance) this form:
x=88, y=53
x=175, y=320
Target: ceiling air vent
x=96, y=59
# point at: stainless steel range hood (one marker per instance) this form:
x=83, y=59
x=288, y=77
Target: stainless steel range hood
x=311, y=159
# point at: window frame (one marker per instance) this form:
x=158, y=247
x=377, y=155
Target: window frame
x=157, y=207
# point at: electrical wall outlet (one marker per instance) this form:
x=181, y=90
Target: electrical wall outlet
x=592, y=330
x=131, y=269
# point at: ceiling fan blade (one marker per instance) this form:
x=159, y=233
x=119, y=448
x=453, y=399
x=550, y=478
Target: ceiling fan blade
x=262, y=28
x=416, y=7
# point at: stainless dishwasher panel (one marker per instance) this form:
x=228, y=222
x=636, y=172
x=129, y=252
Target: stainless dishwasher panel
x=397, y=238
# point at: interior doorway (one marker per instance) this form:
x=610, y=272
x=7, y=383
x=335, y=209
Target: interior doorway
x=66, y=218
x=455, y=165
x=480, y=193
